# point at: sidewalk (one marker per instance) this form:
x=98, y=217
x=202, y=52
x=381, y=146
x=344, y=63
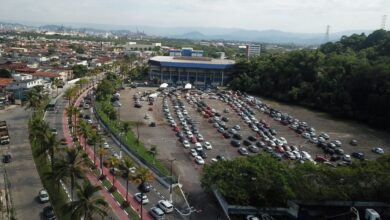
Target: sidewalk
x=120, y=188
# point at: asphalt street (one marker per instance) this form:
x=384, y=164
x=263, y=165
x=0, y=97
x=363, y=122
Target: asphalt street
x=22, y=173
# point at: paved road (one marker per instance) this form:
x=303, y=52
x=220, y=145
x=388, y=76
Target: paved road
x=56, y=121
x=22, y=173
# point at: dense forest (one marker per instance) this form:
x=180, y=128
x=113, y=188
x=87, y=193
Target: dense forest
x=349, y=78
x=263, y=181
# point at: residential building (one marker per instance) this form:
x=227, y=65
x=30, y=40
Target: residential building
x=253, y=50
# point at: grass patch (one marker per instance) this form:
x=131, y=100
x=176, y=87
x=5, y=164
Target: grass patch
x=130, y=141
x=58, y=197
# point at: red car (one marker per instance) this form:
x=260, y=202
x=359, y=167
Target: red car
x=279, y=149
x=193, y=140
x=176, y=129
x=320, y=159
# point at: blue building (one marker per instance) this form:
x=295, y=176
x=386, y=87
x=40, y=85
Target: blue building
x=186, y=52
x=201, y=72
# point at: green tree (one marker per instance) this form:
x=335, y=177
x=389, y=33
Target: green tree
x=125, y=166
x=153, y=151
x=79, y=71
x=5, y=73
x=89, y=204
x=113, y=163
x=71, y=166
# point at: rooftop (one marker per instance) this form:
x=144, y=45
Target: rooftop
x=192, y=60
x=5, y=81
x=44, y=74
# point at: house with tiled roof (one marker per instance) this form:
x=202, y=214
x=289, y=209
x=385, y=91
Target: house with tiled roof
x=46, y=76
x=4, y=82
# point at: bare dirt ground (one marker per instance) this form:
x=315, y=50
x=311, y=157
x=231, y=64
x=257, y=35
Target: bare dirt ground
x=169, y=147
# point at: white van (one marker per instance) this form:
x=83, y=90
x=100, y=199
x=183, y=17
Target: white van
x=166, y=206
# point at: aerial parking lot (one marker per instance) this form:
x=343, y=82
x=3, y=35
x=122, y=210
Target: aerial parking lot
x=230, y=124
x=193, y=128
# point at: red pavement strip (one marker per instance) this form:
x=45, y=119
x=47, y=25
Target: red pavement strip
x=119, y=212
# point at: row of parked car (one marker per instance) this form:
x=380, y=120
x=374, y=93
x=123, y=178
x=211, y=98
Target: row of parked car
x=189, y=133
x=322, y=140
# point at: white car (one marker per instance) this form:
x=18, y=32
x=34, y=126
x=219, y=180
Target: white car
x=207, y=145
x=200, y=137
x=166, y=206
x=199, y=160
x=157, y=213
x=198, y=146
x=305, y=155
x=193, y=153
x=89, y=121
x=252, y=217
x=105, y=145
x=284, y=141
x=186, y=144
x=306, y=135
x=145, y=199
x=43, y=196
x=378, y=150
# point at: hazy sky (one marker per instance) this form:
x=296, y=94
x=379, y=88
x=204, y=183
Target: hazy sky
x=286, y=15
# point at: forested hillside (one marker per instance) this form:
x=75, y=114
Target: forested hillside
x=349, y=78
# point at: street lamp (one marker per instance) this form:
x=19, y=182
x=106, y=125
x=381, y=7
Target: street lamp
x=120, y=144
x=170, y=189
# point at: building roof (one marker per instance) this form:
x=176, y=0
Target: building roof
x=26, y=70
x=192, y=62
x=43, y=74
x=5, y=81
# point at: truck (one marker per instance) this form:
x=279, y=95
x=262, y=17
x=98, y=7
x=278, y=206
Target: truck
x=4, y=137
x=3, y=125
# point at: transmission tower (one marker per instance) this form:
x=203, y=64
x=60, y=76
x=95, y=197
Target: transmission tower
x=327, y=33
x=383, y=26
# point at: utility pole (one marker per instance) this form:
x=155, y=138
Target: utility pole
x=170, y=189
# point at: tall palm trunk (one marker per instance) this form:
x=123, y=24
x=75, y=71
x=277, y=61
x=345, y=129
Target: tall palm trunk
x=71, y=185
x=127, y=189
x=52, y=159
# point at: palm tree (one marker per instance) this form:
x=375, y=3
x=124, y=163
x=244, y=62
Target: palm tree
x=138, y=123
x=153, y=151
x=39, y=131
x=85, y=131
x=101, y=152
x=72, y=111
x=70, y=167
x=113, y=163
x=51, y=145
x=125, y=166
x=56, y=82
x=126, y=128
x=36, y=98
x=88, y=204
x=141, y=176
x=95, y=139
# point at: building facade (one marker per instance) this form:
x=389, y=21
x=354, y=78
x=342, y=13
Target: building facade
x=253, y=50
x=201, y=72
x=186, y=52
